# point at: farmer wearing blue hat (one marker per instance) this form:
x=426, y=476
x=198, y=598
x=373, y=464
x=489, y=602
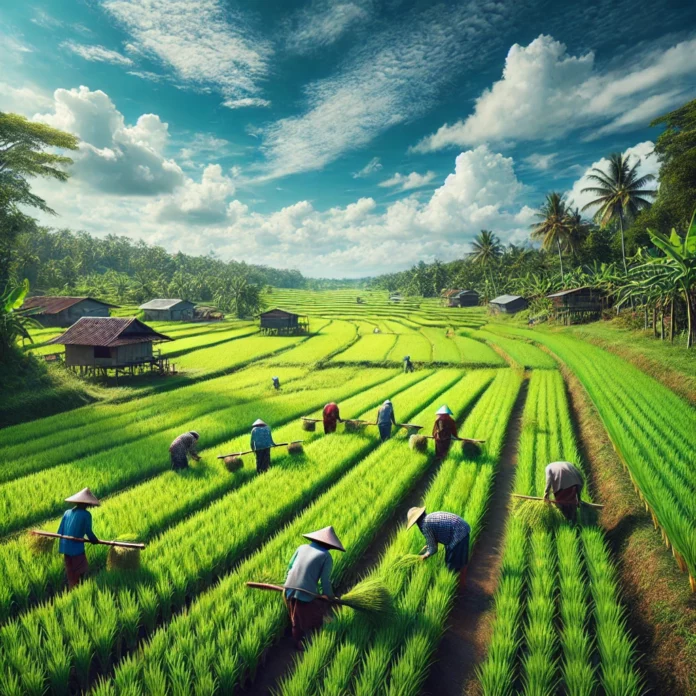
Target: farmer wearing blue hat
x=444, y=431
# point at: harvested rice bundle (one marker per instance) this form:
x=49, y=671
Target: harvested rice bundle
x=407, y=561
x=418, y=443
x=372, y=596
x=309, y=426
x=354, y=426
x=295, y=448
x=470, y=450
x=40, y=545
x=123, y=559
x=537, y=514
x=233, y=464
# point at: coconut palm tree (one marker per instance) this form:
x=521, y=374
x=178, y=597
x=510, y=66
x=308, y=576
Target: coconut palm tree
x=578, y=230
x=620, y=194
x=554, y=226
x=485, y=251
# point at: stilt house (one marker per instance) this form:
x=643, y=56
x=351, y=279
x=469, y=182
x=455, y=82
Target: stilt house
x=65, y=311
x=168, y=310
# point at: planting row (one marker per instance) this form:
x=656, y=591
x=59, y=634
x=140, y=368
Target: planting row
x=653, y=431
x=331, y=339
x=559, y=626
x=354, y=656
x=237, y=626
x=101, y=617
x=32, y=498
x=171, y=496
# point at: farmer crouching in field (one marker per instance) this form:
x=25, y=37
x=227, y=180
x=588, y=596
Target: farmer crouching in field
x=310, y=565
x=447, y=529
x=385, y=418
x=565, y=480
x=77, y=523
x=331, y=416
x=444, y=430
x=261, y=443
x=182, y=448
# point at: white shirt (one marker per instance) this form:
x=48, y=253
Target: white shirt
x=560, y=475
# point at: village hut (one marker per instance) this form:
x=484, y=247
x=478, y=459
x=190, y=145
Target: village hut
x=283, y=321
x=464, y=298
x=508, y=304
x=168, y=310
x=65, y=311
x=577, y=305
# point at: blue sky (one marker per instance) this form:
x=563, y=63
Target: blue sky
x=342, y=138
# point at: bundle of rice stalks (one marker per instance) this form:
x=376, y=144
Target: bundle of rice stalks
x=309, y=426
x=354, y=426
x=408, y=561
x=40, y=545
x=470, y=450
x=123, y=559
x=233, y=464
x=536, y=514
x=372, y=596
x=295, y=448
x=418, y=443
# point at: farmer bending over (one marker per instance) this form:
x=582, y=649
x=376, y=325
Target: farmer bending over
x=310, y=565
x=331, y=416
x=447, y=529
x=444, y=430
x=276, y=383
x=385, y=418
x=182, y=448
x=77, y=523
x=261, y=443
x=408, y=365
x=566, y=482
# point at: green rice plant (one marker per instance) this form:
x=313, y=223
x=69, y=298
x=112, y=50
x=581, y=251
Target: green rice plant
x=369, y=348
x=476, y=353
x=181, y=346
x=522, y=353
x=192, y=556
x=330, y=339
x=396, y=658
x=415, y=345
x=445, y=350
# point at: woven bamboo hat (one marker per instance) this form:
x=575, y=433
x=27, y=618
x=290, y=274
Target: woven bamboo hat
x=258, y=421
x=413, y=515
x=85, y=496
x=443, y=411
x=194, y=433
x=326, y=536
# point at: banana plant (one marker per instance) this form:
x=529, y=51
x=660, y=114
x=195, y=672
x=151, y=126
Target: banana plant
x=681, y=253
x=14, y=321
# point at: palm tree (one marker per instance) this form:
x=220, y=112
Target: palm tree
x=620, y=194
x=485, y=251
x=554, y=226
x=578, y=230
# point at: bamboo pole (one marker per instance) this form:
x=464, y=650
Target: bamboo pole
x=240, y=454
x=280, y=588
x=122, y=544
x=555, y=502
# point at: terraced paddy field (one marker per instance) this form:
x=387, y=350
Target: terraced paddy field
x=545, y=610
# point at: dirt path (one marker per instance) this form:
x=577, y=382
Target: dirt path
x=463, y=645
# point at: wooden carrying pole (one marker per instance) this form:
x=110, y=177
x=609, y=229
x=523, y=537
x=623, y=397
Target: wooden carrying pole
x=409, y=426
x=461, y=439
x=556, y=502
x=280, y=588
x=122, y=544
x=261, y=449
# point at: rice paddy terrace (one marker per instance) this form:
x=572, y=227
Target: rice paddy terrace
x=554, y=619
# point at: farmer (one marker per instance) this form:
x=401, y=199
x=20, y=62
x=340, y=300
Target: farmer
x=566, y=482
x=444, y=430
x=408, y=365
x=77, y=523
x=310, y=565
x=261, y=443
x=447, y=529
x=276, y=383
x=182, y=448
x=331, y=416
x=385, y=418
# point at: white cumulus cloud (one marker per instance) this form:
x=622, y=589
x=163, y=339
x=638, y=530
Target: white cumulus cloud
x=409, y=182
x=96, y=54
x=545, y=93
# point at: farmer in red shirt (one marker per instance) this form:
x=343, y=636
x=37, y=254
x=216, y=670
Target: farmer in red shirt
x=444, y=430
x=331, y=417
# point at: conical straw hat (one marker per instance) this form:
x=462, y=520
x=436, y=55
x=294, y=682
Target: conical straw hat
x=413, y=515
x=85, y=496
x=443, y=411
x=258, y=421
x=326, y=536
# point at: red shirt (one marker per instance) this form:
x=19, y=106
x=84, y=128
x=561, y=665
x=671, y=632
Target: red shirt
x=331, y=412
x=444, y=428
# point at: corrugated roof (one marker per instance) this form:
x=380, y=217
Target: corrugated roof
x=283, y=311
x=466, y=292
x=54, y=305
x=504, y=299
x=568, y=292
x=106, y=331
x=162, y=304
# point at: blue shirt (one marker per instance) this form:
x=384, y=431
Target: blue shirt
x=443, y=528
x=78, y=523
x=385, y=414
x=310, y=565
x=261, y=437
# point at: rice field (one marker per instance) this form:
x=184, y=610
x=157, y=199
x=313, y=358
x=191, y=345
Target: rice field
x=184, y=622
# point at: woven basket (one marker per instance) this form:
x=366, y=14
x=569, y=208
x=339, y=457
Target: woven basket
x=309, y=426
x=295, y=448
x=471, y=450
x=233, y=463
x=418, y=443
x=354, y=426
